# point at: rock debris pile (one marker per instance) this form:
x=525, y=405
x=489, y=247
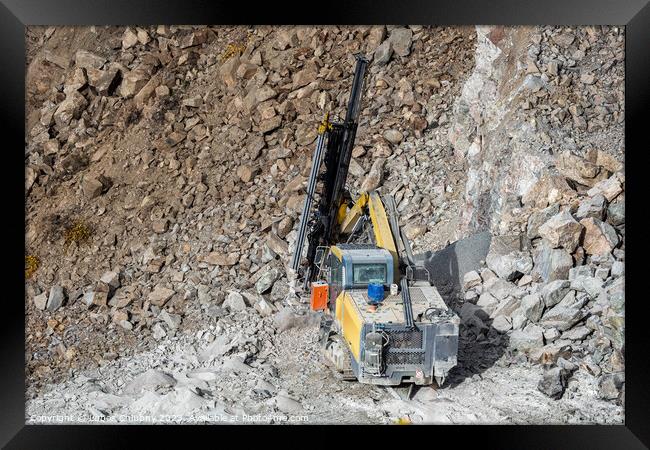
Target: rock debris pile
x=165, y=172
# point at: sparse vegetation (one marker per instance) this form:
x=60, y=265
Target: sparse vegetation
x=79, y=233
x=232, y=50
x=31, y=265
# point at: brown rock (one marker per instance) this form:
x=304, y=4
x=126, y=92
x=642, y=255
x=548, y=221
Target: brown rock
x=295, y=185
x=129, y=38
x=91, y=187
x=284, y=227
x=375, y=177
x=147, y=91
x=609, y=188
x=221, y=259
x=87, y=60
x=600, y=237
x=277, y=245
x=160, y=295
x=160, y=226
x=102, y=79
x=549, y=189
x=579, y=169
x=246, y=172
x=562, y=230
x=70, y=108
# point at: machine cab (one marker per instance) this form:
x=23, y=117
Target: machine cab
x=354, y=266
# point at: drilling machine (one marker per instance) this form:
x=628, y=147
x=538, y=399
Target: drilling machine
x=383, y=322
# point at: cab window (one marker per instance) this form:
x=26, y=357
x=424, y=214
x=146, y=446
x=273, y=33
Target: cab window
x=369, y=273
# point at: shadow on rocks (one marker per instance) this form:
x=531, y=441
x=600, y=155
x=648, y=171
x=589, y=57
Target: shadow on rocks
x=480, y=345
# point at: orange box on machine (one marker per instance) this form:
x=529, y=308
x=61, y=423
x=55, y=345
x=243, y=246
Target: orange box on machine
x=319, y=291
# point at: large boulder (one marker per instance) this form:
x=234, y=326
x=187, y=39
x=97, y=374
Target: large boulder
x=532, y=336
x=592, y=207
x=267, y=280
x=532, y=306
x=554, y=382
x=565, y=314
x=600, y=237
x=579, y=169
x=70, y=108
x=538, y=218
x=552, y=263
x=375, y=176
x=562, y=230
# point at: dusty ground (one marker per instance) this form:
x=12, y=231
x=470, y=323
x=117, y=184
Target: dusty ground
x=505, y=392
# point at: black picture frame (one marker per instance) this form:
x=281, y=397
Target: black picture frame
x=633, y=14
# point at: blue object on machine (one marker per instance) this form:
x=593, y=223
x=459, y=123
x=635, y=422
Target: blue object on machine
x=375, y=293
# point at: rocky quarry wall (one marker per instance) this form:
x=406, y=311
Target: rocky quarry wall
x=165, y=169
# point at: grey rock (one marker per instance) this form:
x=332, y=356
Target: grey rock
x=266, y=281
x=581, y=271
x=288, y=405
x=538, y=218
x=565, y=314
x=554, y=382
x=510, y=266
x=471, y=279
x=519, y=319
x=610, y=385
x=502, y=324
x=591, y=285
x=263, y=307
x=618, y=268
x=150, y=380
x=158, y=331
x=40, y=301
x=532, y=306
x=555, y=291
x=487, y=302
x=234, y=301
x=577, y=333
x=400, y=39
x=552, y=263
x=601, y=273
x=551, y=335
x=616, y=213
x=383, y=53
x=56, y=298
x=592, y=207
x=506, y=307
x=532, y=336
x=172, y=320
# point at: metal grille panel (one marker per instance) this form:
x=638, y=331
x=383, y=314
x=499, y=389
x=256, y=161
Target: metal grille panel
x=405, y=339
x=405, y=358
